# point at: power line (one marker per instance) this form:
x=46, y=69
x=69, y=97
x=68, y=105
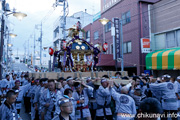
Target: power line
x=143, y=14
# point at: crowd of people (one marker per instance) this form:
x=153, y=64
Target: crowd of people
x=144, y=98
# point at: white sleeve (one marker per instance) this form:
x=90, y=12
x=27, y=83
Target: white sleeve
x=133, y=108
x=104, y=91
x=176, y=87
x=114, y=94
x=159, y=87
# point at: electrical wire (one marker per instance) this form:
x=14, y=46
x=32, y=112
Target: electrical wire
x=136, y=15
x=46, y=17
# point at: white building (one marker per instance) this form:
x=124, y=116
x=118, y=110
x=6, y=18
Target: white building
x=45, y=59
x=81, y=16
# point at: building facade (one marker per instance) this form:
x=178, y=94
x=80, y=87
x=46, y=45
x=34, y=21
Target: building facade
x=165, y=24
x=135, y=20
x=81, y=16
x=165, y=38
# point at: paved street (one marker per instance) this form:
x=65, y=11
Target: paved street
x=24, y=115
x=20, y=67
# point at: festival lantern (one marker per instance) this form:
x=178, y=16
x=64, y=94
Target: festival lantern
x=51, y=51
x=105, y=47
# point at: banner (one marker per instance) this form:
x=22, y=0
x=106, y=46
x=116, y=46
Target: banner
x=117, y=38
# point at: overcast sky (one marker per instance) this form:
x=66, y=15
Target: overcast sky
x=38, y=10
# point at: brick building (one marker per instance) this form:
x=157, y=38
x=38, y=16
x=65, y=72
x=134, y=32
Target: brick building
x=135, y=19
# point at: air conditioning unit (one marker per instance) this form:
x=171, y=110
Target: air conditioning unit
x=7, y=7
x=61, y=0
x=37, y=58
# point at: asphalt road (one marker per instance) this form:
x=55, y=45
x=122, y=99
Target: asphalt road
x=23, y=115
x=20, y=67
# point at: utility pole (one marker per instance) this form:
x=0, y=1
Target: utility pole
x=25, y=51
x=122, y=50
x=2, y=44
x=17, y=52
x=28, y=48
x=34, y=50
x=41, y=46
x=2, y=39
x=40, y=40
x=64, y=20
x=7, y=59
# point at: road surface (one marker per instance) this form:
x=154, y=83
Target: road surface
x=20, y=67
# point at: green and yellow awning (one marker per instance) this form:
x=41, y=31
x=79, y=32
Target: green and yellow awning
x=166, y=59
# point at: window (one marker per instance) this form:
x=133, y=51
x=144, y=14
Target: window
x=111, y=49
x=96, y=35
x=56, y=32
x=170, y=38
x=127, y=47
x=178, y=37
x=126, y=18
x=124, y=48
x=108, y=27
x=159, y=42
x=88, y=36
x=166, y=40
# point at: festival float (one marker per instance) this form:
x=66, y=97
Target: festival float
x=77, y=58
x=77, y=55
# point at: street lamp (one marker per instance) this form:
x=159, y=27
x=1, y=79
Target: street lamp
x=5, y=12
x=12, y=35
x=19, y=15
x=104, y=21
x=9, y=45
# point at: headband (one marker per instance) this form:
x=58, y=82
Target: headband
x=45, y=82
x=16, y=91
x=61, y=102
x=66, y=96
x=69, y=79
x=166, y=76
x=88, y=78
x=178, y=78
x=103, y=80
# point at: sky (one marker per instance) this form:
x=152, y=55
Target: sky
x=37, y=11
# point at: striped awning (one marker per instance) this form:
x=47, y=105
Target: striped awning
x=166, y=59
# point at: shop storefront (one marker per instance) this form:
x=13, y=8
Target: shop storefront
x=164, y=61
